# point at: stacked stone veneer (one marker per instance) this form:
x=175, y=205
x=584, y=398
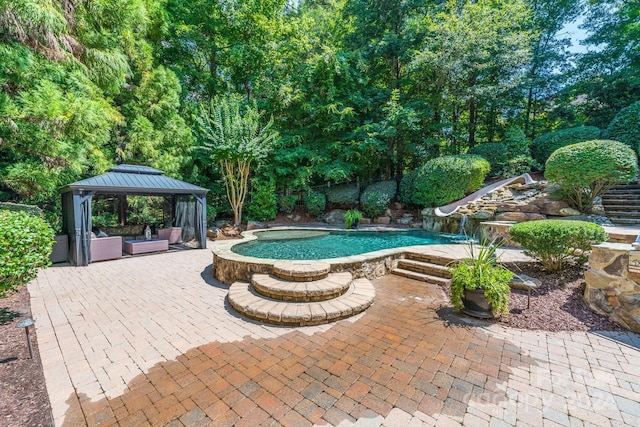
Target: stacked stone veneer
x=613, y=283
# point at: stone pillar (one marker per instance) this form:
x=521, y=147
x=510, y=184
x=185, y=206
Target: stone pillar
x=613, y=283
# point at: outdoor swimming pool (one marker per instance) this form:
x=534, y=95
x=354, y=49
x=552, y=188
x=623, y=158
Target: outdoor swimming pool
x=325, y=244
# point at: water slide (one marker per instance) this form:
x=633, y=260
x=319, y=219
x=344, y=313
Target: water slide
x=449, y=209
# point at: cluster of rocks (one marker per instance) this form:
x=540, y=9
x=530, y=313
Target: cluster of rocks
x=512, y=203
x=336, y=217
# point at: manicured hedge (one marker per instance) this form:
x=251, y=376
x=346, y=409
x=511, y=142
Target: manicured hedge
x=494, y=152
x=344, y=195
x=408, y=186
x=26, y=241
x=516, y=142
x=544, y=145
x=263, y=200
x=625, y=126
x=587, y=170
x=376, y=198
x=445, y=179
x=555, y=242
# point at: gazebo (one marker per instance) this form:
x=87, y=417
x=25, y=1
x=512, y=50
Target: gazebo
x=123, y=180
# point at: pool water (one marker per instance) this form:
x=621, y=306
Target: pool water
x=321, y=244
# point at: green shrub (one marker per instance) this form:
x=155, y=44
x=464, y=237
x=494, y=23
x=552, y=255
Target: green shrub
x=544, y=145
x=315, y=203
x=625, y=126
x=16, y=207
x=263, y=200
x=494, y=152
x=516, y=142
x=586, y=170
x=408, y=186
x=518, y=165
x=555, y=242
x=26, y=243
x=376, y=198
x=286, y=204
x=449, y=178
x=344, y=195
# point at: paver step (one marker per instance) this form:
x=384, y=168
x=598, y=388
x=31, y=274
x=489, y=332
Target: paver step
x=424, y=267
x=433, y=259
x=248, y=302
x=622, y=205
x=622, y=214
x=419, y=276
x=625, y=221
x=332, y=286
x=301, y=271
x=620, y=197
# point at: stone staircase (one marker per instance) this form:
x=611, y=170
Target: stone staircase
x=424, y=267
x=301, y=293
x=622, y=203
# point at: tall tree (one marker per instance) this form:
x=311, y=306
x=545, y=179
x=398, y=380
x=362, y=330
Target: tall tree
x=231, y=132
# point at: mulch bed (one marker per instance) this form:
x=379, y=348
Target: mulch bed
x=22, y=388
x=557, y=306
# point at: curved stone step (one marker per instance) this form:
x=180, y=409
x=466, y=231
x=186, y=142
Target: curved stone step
x=332, y=286
x=301, y=271
x=244, y=299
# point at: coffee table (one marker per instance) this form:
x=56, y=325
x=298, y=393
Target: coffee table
x=135, y=247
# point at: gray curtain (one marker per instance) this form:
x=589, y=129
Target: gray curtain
x=85, y=229
x=185, y=215
x=200, y=228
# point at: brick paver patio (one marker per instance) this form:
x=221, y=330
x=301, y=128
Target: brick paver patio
x=151, y=341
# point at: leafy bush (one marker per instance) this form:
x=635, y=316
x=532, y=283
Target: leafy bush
x=516, y=142
x=286, y=204
x=26, y=243
x=586, y=170
x=315, y=203
x=625, y=126
x=408, y=186
x=448, y=178
x=376, y=198
x=494, y=152
x=345, y=195
x=16, y=207
x=544, y=145
x=263, y=199
x=518, y=165
x=555, y=242
x=374, y=204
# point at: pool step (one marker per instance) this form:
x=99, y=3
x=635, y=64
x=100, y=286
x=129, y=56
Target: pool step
x=430, y=258
x=244, y=298
x=425, y=267
x=332, y=286
x=301, y=271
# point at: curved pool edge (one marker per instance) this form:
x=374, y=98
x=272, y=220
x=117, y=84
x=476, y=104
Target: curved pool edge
x=229, y=267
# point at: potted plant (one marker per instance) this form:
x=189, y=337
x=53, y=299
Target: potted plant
x=352, y=218
x=479, y=284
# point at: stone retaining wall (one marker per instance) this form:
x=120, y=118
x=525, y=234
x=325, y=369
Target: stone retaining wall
x=228, y=268
x=613, y=283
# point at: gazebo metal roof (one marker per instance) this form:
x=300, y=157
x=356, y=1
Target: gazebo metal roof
x=123, y=180
x=134, y=179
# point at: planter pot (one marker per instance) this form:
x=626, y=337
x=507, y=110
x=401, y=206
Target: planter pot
x=356, y=221
x=476, y=304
